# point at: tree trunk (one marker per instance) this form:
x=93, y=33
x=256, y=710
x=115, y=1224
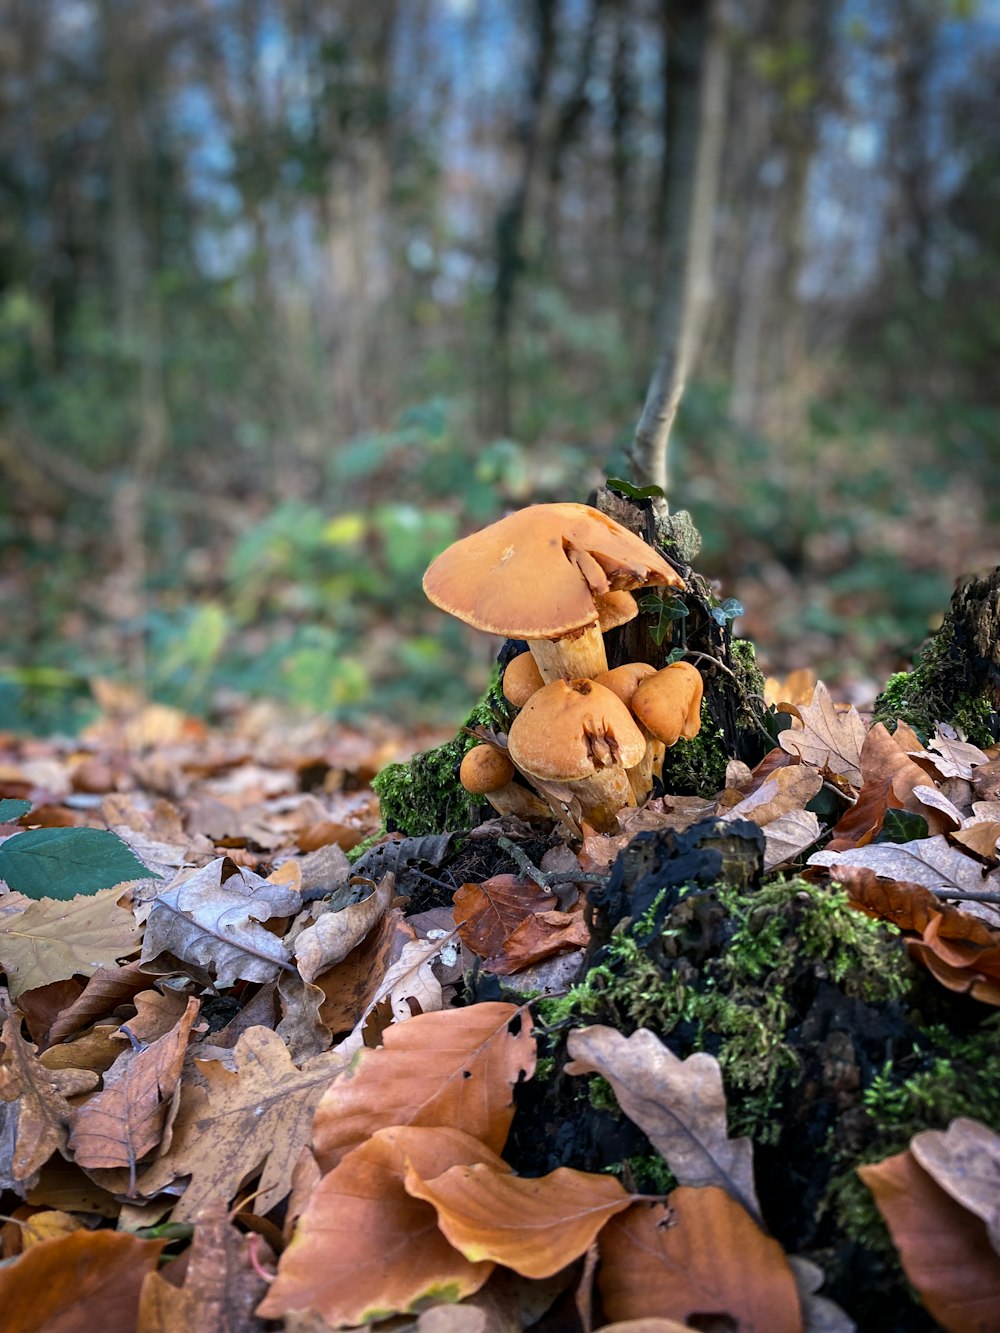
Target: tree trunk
x=700, y=67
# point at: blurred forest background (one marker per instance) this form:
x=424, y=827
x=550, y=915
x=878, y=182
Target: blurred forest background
x=293, y=292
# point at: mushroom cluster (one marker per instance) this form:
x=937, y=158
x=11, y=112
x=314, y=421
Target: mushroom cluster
x=559, y=576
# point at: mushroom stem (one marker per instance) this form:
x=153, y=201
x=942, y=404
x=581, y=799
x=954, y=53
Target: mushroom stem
x=578, y=655
x=517, y=800
x=649, y=766
x=602, y=795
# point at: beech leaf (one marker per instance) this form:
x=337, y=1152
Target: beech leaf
x=701, y=1254
x=534, y=1226
x=454, y=1068
x=679, y=1104
x=86, y=1280
x=944, y=1249
x=364, y=1248
x=487, y=914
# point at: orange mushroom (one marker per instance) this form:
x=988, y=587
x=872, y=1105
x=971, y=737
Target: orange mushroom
x=536, y=575
x=624, y=681
x=580, y=735
x=521, y=678
x=668, y=703
x=486, y=771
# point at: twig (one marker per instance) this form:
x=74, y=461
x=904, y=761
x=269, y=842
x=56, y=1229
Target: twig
x=544, y=878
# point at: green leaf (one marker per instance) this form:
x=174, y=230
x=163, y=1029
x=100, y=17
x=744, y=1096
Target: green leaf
x=666, y=610
x=901, y=826
x=631, y=492
x=63, y=862
x=726, y=611
x=11, y=810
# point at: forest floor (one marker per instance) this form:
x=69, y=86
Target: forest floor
x=734, y=1065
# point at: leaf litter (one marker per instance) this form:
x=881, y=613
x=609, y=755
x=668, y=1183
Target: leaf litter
x=373, y=1101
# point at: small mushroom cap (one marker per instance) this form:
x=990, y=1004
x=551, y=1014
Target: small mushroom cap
x=615, y=608
x=485, y=769
x=570, y=729
x=521, y=678
x=668, y=703
x=535, y=573
x=624, y=680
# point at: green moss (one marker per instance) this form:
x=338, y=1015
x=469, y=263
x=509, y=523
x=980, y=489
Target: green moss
x=698, y=767
x=424, y=795
x=738, y=1003
x=644, y=1173
x=959, y=1076
x=936, y=690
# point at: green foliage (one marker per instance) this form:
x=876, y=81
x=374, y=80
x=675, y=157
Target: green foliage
x=63, y=862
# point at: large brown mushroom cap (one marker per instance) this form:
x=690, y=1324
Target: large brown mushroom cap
x=668, y=703
x=535, y=574
x=572, y=729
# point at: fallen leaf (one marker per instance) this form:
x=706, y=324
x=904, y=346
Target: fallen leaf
x=540, y=936
x=701, y=1255
x=487, y=914
x=108, y=988
x=454, y=1068
x=787, y=789
x=788, y=836
x=819, y=1314
x=364, y=1248
x=679, y=1104
x=42, y=1112
x=334, y=934
x=89, y=1279
x=534, y=1226
x=124, y=1122
x=965, y=1161
x=51, y=940
x=953, y=758
x=829, y=740
x=944, y=1249
x=255, y=1117
x=932, y=862
x=220, y=1288
x=889, y=778
x=211, y=922
x=349, y=988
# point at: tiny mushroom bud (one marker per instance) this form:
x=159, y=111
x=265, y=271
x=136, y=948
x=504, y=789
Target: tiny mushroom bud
x=536, y=575
x=582, y=736
x=521, y=678
x=668, y=703
x=623, y=681
x=486, y=771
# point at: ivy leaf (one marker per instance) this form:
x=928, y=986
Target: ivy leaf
x=726, y=611
x=11, y=810
x=666, y=610
x=631, y=492
x=64, y=862
x=901, y=826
